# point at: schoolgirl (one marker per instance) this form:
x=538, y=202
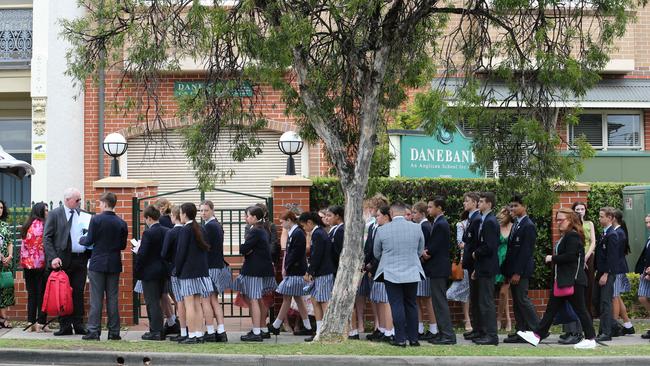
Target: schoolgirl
x=168, y=254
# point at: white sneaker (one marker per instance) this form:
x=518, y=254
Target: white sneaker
x=585, y=344
x=529, y=337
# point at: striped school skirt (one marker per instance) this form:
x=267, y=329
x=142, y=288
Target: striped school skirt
x=621, y=284
x=644, y=287
x=176, y=288
x=365, y=286
x=221, y=279
x=322, y=288
x=424, y=288
x=292, y=286
x=194, y=286
x=138, y=287
x=254, y=287
x=378, y=293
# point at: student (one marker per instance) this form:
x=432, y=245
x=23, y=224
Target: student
x=385, y=330
x=608, y=265
x=256, y=277
x=438, y=269
x=337, y=232
x=642, y=267
x=372, y=206
x=419, y=216
x=519, y=266
x=168, y=253
x=486, y=266
x=152, y=271
x=294, y=268
x=172, y=326
x=622, y=284
x=192, y=271
x=107, y=233
x=470, y=238
x=568, y=260
x=321, y=267
x=219, y=274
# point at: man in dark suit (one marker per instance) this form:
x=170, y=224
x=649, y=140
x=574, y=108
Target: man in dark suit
x=486, y=266
x=107, y=234
x=470, y=236
x=63, y=251
x=518, y=267
x=608, y=262
x=150, y=268
x=438, y=268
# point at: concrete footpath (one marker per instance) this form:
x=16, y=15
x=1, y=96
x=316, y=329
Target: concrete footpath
x=100, y=358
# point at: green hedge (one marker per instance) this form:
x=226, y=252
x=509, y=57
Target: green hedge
x=327, y=191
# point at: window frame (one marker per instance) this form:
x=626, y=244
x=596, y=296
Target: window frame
x=603, y=129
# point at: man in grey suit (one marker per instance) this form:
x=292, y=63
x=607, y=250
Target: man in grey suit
x=63, y=251
x=398, y=247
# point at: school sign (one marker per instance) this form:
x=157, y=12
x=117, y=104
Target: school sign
x=442, y=155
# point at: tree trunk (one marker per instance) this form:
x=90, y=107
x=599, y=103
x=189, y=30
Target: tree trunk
x=345, y=287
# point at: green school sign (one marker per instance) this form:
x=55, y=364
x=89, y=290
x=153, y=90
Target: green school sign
x=182, y=88
x=443, y=155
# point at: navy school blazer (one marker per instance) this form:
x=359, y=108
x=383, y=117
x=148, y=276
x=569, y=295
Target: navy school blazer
x=320, y=260
x=609, y=253
x=438, y=246
x=519, y=256
x=149, y=264
x=369, y=256
x=337, y=245
x=486, y=263
x=295, y=262
x=257, y=253
x=214, y=237
x=191, y=261
x=170, y=245
x=427, y=227
x=470, y=238
x=108, y=233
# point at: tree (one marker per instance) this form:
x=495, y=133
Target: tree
x=342, y=65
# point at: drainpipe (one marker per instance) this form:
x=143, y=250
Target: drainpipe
x=100, y=120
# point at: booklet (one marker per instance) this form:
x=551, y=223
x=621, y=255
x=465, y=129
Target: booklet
x=136, y=245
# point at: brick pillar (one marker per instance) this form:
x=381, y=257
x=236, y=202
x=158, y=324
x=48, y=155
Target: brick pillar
x=568, y=195
x=288, y=189
x=125, y=189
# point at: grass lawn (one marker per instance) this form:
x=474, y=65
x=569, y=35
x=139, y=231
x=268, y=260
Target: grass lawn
x=345, y=348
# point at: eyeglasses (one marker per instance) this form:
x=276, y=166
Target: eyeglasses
x=78, y=200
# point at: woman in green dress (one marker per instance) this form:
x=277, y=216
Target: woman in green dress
x=6, y=256
x=503, y=311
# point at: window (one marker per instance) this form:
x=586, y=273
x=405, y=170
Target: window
x=614, y=130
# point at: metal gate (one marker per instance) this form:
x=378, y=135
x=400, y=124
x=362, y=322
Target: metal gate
x=233, y=222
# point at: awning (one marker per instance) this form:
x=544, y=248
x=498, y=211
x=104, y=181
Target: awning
x=12, y=166
x=608, y=93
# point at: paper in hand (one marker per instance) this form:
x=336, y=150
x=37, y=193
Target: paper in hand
x=136, y=245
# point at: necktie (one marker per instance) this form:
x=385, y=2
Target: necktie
x=70, y=219
x=69, y=228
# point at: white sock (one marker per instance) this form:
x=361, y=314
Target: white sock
x=389, y=332
x=306, y=323
x=199, y=334
x=171, y=320
x=183, y=332
x=420, y=327
x=433, y=328
x=221, y=329
x=383, y=330
x=192, y=335
x=319, y=324
x=353, y=332
x=627, y=325
x=277, y=323
x=257, y=331
x=210, y=329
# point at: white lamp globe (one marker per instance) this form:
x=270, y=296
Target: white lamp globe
x=115, y=145
x=290, y=143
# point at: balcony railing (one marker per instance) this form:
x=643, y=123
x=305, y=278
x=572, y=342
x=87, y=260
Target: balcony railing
x=15, y=38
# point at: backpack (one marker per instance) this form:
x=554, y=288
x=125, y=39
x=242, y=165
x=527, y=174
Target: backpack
x=57, y=300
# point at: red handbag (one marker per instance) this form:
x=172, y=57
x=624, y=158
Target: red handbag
x=562, y=291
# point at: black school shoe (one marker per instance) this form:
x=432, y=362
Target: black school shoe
x=94, y=336
x=374, y=335
x=571, y=339
x=627, y=331
x=221, y=338
x=646, y=335
x=193, y=340
x=251, y=337
x=426, y=336
x=303, y=332
x=265, y=335
x=272, y=329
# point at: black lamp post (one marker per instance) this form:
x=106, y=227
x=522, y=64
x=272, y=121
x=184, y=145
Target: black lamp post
x=115, y=146
x=290, y=144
